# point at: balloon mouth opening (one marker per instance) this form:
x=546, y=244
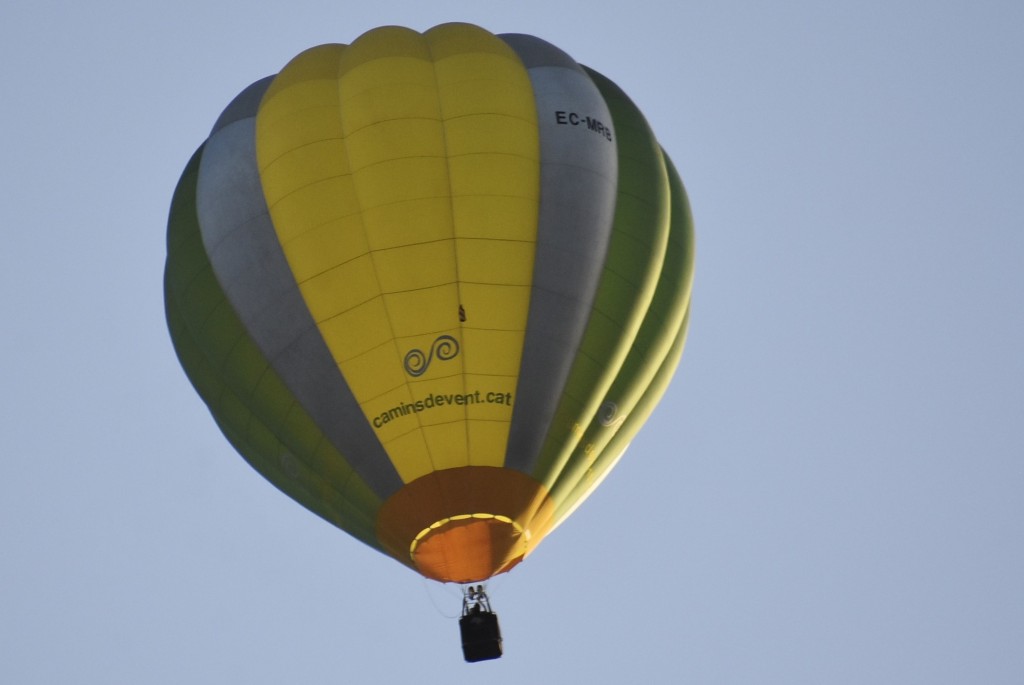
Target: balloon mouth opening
x=468, y=548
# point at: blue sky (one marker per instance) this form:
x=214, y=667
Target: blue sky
x=830, y=491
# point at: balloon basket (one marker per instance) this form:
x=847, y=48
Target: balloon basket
x=481, y=635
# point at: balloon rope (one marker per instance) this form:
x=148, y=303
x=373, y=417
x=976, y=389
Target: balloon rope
x=426, y=588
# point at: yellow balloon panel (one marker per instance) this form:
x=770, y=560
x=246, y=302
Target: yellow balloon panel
x=340, y=289
x=411, y=455
x=400, y=268
x=447, y=444
x=402, y=179
x=303, y=71
x=492, y=216
x=486, y=440
x=457, y=39
x=303, y=166
x=493, y=353
x=404, y=100
x=326, y=245
x=431, y=217
x=310, y=206
x=411, y=228
x=305, y=90
x=491, y=307
x=490, y=133
x=503, y=262
x=386, y=44
x=395, y=139
x=414, y=311
x=362, y=331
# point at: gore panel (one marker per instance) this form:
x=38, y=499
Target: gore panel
x=579, y=169
x=654, y=342
x=250, y=404
x=627, y=284
x=244, y=104
x=412, y=238
x=571, y=498
x=322, y=484
x=248, y=262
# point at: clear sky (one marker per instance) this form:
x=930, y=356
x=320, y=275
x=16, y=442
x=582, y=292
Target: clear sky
x=832, y=490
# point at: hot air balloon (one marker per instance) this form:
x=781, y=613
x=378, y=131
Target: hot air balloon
x=430, y=286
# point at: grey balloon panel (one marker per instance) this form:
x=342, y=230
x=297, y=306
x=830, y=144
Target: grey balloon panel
x=579, y=172
x=242, y=244
x=244, y=104
x=537, y=52
x=251, y=267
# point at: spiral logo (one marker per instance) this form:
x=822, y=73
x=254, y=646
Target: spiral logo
x=608, y=414
x=417, y=362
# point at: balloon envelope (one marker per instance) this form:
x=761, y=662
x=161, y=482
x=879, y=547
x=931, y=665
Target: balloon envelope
x=430, y=286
